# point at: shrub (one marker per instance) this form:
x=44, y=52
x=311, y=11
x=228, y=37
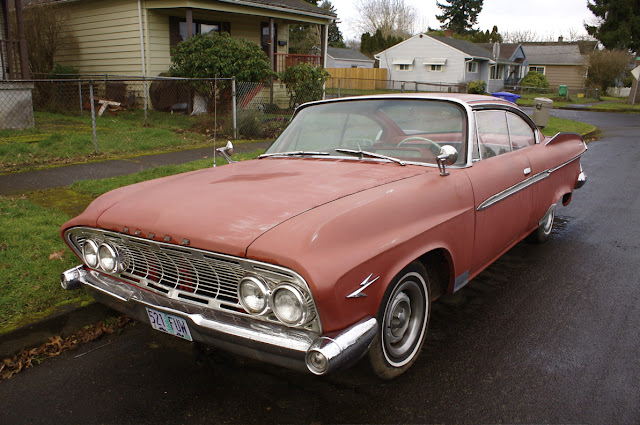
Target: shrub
x=304, y=82
x=477, y=87
x=215, y=55
x=535, y=79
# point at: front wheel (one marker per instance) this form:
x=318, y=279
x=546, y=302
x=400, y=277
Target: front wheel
x=403, y=317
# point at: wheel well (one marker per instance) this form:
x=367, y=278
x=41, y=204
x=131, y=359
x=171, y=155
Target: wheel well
x=437, y=263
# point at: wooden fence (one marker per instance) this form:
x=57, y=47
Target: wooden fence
x=357, y=78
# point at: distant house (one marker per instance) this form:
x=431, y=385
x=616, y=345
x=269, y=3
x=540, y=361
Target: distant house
x=562, y=63
x=514, y=53
x=347, y=58
x=434, y=59
x=129, y=37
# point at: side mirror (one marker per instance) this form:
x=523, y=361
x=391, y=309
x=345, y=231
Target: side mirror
x=448, y=156
x=226, y=153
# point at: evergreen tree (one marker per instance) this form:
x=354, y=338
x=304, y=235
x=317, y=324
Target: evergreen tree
x=335, y=36
x=372, y=44
x=620, y=23
x=459, y=16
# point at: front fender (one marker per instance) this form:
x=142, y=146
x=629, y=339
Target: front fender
x=372, y=234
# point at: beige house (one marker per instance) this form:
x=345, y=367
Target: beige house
x=135, y=37
x=562, y=63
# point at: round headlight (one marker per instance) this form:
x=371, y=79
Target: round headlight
x=108, y=258
x=289, y=305
x=254, y=295
x=90, y=253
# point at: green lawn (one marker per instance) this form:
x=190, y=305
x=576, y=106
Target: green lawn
x=62, y=139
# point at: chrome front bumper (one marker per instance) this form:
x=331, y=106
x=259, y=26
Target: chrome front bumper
x=277, y=344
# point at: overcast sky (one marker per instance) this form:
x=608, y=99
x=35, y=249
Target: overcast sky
x=547, y=18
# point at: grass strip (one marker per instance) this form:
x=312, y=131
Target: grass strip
x=32, y=254
x=32, y=257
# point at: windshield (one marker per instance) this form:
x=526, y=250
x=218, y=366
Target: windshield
x=410, y=130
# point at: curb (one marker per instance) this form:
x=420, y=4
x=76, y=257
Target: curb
x=64, y=322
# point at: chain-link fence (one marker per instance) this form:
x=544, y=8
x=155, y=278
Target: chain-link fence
x=71, y=116
x=103, y=111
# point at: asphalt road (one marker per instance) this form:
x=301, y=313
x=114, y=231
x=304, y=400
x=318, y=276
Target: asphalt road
x=548, y=334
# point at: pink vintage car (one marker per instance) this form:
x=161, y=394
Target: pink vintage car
x=333, y=244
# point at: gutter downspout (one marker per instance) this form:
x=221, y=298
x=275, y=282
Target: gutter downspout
x=143, y=59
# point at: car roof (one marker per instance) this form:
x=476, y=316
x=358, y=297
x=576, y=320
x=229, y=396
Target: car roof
x=470, y=99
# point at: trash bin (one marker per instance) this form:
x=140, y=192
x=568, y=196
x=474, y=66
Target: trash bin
x=511, y=97
x=562, y=90
x=541, y=109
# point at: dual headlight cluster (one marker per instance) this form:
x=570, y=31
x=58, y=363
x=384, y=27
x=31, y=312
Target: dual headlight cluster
x=290, y=304
x=101, y=255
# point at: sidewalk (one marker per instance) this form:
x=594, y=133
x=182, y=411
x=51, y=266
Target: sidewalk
x=72, y=317
x=16, y=183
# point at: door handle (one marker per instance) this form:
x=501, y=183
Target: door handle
x=527, y=171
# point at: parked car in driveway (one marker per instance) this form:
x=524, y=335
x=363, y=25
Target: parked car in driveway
x=334, y=243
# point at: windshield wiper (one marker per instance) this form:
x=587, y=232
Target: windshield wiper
x=293, y=153
x=362, y=154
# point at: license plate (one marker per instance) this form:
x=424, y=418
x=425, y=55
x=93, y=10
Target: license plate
x=168, y=323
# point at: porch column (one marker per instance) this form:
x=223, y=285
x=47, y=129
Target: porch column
x=324, y=34
x=24, y=62
x=272, y=30
x=189, y=19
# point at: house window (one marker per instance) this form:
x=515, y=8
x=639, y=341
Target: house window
x=538, y=69
x=472, y=67
x=403, y=67
x=178, y=29
x=199, y=27
x=436, y=68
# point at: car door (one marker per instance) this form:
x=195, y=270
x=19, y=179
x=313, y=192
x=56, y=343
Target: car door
x=502, y=198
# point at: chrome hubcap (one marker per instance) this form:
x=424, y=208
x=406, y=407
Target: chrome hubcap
x=404, y=320
x=400, y=315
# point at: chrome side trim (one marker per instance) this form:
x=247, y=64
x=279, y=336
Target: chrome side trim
x=566, y=163
x=501, y=196
x=524, y=184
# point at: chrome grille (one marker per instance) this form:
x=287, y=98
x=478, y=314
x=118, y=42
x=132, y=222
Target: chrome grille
x=189, y=274
x=184, y=273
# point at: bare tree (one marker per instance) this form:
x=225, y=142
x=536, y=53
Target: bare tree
x=46, y=34
x=607, y=66
x=520, y=36
x=391, y=17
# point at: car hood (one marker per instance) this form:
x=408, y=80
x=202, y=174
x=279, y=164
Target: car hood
x=225, y=209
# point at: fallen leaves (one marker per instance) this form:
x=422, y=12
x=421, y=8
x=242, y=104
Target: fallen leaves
x=57, y=345
x=57, y=255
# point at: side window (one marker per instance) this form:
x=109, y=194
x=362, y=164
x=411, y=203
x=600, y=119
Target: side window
x=521, y=134
x=493, y=133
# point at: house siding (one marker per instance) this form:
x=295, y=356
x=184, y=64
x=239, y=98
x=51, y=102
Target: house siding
x=419, y=49
x=573, y=76
x=107, y=36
